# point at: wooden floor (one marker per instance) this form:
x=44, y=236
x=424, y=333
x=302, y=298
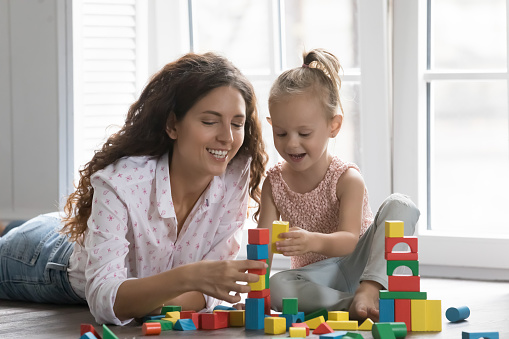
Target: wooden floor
x=488, y=303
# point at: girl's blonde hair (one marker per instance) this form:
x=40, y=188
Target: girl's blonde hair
x=319, y=73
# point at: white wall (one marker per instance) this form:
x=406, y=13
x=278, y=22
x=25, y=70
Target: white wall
x=33, y=106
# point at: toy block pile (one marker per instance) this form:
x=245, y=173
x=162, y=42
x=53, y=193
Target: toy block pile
x=404, y=301
x=258, y=300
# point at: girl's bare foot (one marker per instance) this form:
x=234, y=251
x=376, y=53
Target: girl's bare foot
x=365, y=301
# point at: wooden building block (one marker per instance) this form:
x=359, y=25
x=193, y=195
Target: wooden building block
x=338, y=315
x=88, y=335
x=389, y=330
x=290, y=305
x=262, y=271
x=352, y=335
x=455, y=314
x=403, y=295
x=278, y=227
x=323, y=328
x=400, y=255
x=404, y=283
x=298, y=332
x=214, y=321
x=108, y=334
x=433, y=315
x=478, y=335
x=266, y=305
x=292, y=318
x=303, y=325
x=315, y=322
x=367, y=325
x=173, y=315
x=259, y=285
x=254, y=313
x=344, y=325
x=165, y=325
x=412, y=242
x=386, y=307
x=186, y=314
x=259, y=294
x=224, y=308
x=403, y=312
x=197, y=319
x=258, y=236
x=333, y=335
x=394, y=229
x=320, y=312
x=184, y=325
x=257, y=252
x=170, y=308
x=411, y=264
x=237, y=318
x=275, y=325
x=418, y=309
x=84, y=328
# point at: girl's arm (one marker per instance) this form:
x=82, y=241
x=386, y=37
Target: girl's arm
x=268, y=212
x=350, y=192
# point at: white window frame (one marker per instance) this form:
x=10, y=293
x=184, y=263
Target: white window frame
x=440, y=254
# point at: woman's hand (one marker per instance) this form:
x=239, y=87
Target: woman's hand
x=218, y=278
x=297, y=242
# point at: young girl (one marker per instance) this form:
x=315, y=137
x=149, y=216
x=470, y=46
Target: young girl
x=336, y=247
x=158, y=213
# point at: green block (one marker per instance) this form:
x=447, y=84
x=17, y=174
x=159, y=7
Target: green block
x=389, y=330
x=321, y=312
x=171, y=308
x=107, y=334
x=165, y=324
x=411, y=264
x=403, y=295
x=352, y=335
x=290, y=305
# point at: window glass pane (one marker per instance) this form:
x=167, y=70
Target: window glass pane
x=239, y=29
x=468, y=34
x=322, y=24
x=469, y=157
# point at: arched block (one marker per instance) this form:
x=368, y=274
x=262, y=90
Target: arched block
x=411, y=264
x=410, y=241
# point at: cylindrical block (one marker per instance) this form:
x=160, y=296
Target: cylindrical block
x=399, y=329
x=151, y=328
x=455, y=314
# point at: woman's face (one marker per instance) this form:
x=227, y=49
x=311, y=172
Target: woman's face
x=210, y=134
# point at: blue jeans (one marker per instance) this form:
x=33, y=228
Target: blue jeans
x=33, y=263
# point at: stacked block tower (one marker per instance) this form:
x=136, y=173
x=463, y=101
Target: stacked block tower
x=258, y=300
x=404, y=301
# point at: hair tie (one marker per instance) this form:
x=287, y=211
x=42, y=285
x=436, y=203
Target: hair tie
x=305, y=66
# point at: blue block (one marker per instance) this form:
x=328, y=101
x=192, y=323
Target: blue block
x=386, y=310
x=478, y=335
x=292, y=318
x=224, y=308
x=184, y=325
x=152, y=317
x=455, y=314
x=257, y=252
x=335, y=335
x=255, y=316
x=88, y=335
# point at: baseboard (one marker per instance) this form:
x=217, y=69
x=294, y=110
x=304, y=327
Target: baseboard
x=466, y=273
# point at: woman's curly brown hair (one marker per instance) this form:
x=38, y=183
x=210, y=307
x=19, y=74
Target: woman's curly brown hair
x=174, y=89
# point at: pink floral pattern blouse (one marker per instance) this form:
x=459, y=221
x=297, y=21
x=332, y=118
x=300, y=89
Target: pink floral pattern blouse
x=132, y=230
x=317, y=210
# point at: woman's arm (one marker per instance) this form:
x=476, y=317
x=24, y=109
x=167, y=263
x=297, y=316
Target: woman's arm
x=350, y=192
x=268, y=212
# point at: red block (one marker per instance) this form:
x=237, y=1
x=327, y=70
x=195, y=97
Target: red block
x=403, y=312
x=260, y=271
x=267, y=304
x=323, y=328
x=186, y=314
x=302, y=325
x=404, y=283
x=89, y=328
x=401, y=256
x=214, y=321
x=410, y=241
x=259, y=294
x=258, y=236
x=197, y=319
x=151, y=329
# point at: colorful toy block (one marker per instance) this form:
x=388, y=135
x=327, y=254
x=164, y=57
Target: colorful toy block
x=403, y=295
x=418, y=309
x=257, y=252
x=367, y=325
x=152, y=317
x=352, y=335
x=88, y=335
x=290, y=306
x=323, y=328
x=411, y=264
x=292, y=318
x=258, y=236
x=237, y=318
x=170, y=308
x=151, y=328
x=185, y=325
x=315, y=322
x=173, y=315
x=403, y=312
x=478, y=335
x=344, y=325
x=278, y=227
x=259, y=294
x=426, y=315
x=197, y=319
x=298, y=332
x=386, y=307
x=254, y=313
x=261, y=271
x=214, y=321
x=259, y=285
x=333, y=335
x=412, y=242
x=186, y=314
x=320, y=312
x=172, y=320
x=338, y=316
x=275, y=325
x=108, y=334
x=165, y=325
x=84, y=328
x=455, y=314
x=389, y=330
x=401, y=256
x=303, y=325
x=404, y=283
x=224, y=308
x=394, y=229
x=266, y=304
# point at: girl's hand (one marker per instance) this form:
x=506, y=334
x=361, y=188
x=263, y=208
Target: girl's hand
x=240, y=306
x=218, y=278
x=297, y=242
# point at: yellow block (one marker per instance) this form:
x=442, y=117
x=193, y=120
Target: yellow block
x=394, y=229
x=418, y=315
x=343, y=325
x=339, y=316
x=367, y=325
x=237, y=318
x=259, y=285
x=315, y=322
x=174, y=315
x=275, y=325
x=173, y=320
x=434, y=315
x=278, y=227
x=297, y=332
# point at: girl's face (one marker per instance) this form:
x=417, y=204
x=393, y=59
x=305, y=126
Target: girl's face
x=210, y=134
x=301, y=130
